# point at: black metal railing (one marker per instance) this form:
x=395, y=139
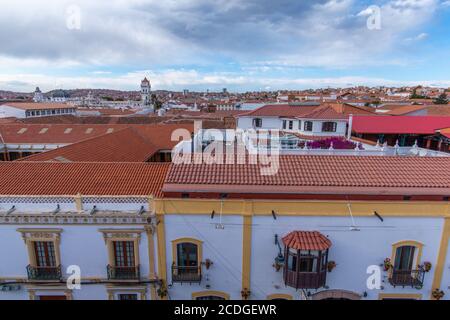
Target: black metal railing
x=123, y=273
x=410, y=278
x=186, y=274
x=43, y=273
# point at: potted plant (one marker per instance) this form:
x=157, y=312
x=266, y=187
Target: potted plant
x=438, y=294
x=162, y=291
x=208, y=263
x=426, y=266
x=387, y=264
x=245, y=293
x=331, y=265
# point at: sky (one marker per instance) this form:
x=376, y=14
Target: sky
x=241, y=45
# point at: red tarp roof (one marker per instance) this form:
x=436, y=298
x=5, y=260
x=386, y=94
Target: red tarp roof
x=399, y=124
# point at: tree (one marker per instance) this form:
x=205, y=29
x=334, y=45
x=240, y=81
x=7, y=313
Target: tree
x=442, y=99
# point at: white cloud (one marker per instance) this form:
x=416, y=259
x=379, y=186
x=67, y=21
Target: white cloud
x=325, y=33
x=179, y=79
x=419, y=37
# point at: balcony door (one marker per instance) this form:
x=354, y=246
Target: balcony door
x=124, y=253
x=187, y=255
x=404, y=258
x=45, y=254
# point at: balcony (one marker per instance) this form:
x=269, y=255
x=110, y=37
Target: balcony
x=123, y=273
x=186, y=274
x=407, y=278
x=306, y=259
x=305, y=280
x=43, y=273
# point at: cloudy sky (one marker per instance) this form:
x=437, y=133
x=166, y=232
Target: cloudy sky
x=212, y=44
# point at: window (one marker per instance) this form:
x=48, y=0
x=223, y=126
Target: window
x=279, y=296
x=406, y=270
x=210, y=295
x=288, y=124
x=257, y=122
x=404, y=258
x=120, y=292
x=45, y=253
x=210, y=298
x=329, y=126
x=124, y=253
x=187, y=257
x=308, y=126
x=127, y=296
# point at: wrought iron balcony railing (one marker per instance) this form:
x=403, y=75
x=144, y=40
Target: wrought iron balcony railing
x=123, y=273
x=410, y=278
x=43, y=273
x=186, y=274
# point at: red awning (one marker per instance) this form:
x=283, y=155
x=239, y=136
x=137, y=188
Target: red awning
x=306, y=240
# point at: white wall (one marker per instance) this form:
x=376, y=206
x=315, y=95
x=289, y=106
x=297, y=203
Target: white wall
x=246, y=123
x=7, y=111
x=81, y=245
x=222, y=247
x=353, y=251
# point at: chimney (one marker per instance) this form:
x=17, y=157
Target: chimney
x=350, y=125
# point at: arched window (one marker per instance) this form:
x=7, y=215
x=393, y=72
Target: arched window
x=406, y=269
x=279, y=296
x=210, y=295
x=187, y=258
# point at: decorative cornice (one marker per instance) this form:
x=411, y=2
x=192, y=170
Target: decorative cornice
x=37, y=234
x=112, y=234
x=74, y=219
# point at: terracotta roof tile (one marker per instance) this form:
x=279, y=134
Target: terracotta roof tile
x=56, y=133
x=38, y=106
x=124, y=145
x=316, y=174
x=280, y=110
x=57, y=178
x=306, y=240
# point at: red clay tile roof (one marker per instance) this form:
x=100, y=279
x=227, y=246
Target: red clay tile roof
x=38, y=106
x=131, y=144
x=399, y=124
x=54, y=133
x=324, y=111
x=280, y=110
x=56, y=178
x=158, y=134
x=125, y=145
x=402, y=109
x=306, y=240
x=316, y=174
